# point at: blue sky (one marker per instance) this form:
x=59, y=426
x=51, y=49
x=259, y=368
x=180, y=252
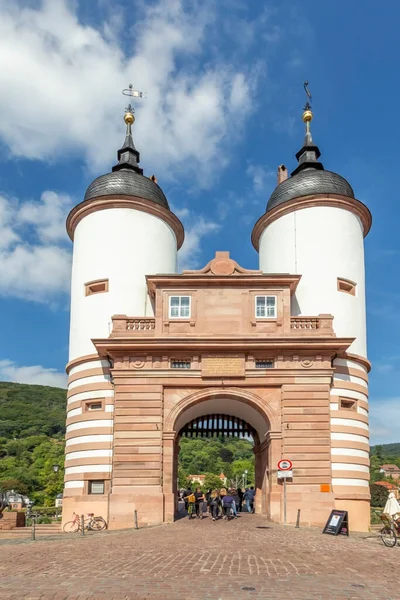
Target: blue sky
x=224, y=100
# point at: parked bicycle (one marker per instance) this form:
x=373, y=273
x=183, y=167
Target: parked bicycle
x=390, y=531
x=91, y=523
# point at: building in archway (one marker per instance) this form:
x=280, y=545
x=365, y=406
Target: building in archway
x=282, y=348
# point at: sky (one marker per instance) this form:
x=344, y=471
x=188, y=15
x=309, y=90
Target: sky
x=224, y=97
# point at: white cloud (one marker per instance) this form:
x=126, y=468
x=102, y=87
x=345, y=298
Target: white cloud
x=260, y=176
x=60, y=86
x=196, y=227
x=38, y=269
x=384, y=419
x=36, y=375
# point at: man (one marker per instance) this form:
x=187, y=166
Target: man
x=249, y=499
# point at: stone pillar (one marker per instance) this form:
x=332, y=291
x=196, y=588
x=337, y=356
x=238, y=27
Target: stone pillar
x=169, y=474
x=274, y=438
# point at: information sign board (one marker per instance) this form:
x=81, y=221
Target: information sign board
x=285, y=474
x=338, y=523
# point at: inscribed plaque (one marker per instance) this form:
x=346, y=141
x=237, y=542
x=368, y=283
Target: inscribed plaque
x=223, y=366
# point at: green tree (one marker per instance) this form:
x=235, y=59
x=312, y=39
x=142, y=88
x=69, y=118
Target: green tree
x=212, y=482
x=13, y=484
x=379, y=495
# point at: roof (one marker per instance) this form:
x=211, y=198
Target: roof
x=126, y=182
x=309, y=182
x=126, y=178
x=390, y=467
x=386, y=484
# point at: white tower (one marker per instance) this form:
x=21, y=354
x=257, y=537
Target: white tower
x=313, y=226
x=122, y=231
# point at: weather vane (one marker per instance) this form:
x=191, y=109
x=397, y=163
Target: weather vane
x=307, y=91
x=129, y=91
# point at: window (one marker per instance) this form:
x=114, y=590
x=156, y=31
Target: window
x=96, y=487
x=345, y=285
x=96, y=287
x=180, y=364
x=94, y=406
x=264, y=363
x=179, y=307
x=265, y=306
x=347, y=404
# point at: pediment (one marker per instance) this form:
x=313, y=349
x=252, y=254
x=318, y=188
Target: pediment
x=222, y=264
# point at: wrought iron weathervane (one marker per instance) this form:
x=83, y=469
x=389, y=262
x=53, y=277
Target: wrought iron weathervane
x=129, y=91
x=309, y=100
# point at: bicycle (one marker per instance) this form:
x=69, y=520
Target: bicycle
x=390, y=531
x=91, y=523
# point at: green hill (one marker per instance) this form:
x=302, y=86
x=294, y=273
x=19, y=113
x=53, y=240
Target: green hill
x=32, y=427
x=387, y=450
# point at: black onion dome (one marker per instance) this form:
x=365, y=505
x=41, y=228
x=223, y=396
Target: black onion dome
x=126, y=178
x=309, y=177
x=308, y=182
x=126, y=182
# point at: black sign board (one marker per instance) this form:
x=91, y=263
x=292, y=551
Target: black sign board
x=338, y=523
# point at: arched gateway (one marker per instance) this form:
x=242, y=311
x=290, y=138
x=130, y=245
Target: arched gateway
x=282, y=348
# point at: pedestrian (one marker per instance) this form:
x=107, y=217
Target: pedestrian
x=248, y=498
x=199, y=496
x=236, y=501
x=190, y=499
x=253, y=493
x=227, y=502
x=239, y=492
x=213, y=504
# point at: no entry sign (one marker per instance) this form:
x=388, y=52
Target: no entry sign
x=285, y=465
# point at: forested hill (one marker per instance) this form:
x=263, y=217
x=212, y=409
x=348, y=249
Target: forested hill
x=32, y=427
x=27, y=410
x=387, y=450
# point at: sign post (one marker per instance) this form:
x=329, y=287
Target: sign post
x=284, y=472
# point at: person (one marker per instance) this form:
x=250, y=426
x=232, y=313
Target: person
x=253, y=493
x=191, y=503
x=239, y=492
x=186, y=495
x=199, y=496
x=227, y=505
x=214, y=504
x=236, y=501
x=248, y=498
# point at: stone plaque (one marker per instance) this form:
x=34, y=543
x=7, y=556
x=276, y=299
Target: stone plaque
x=223, y=366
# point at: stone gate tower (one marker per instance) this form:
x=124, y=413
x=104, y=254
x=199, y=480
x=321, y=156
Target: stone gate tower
x=279, y=351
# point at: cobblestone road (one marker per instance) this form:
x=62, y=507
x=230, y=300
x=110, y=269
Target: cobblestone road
x=201, y=560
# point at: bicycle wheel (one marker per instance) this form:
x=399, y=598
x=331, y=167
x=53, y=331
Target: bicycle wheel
x=97, y=524
x=71, y=527
x=388, y=536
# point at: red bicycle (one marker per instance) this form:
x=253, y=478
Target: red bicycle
x=91, y=523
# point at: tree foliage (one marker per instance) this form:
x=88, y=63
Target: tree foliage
x=230, y=456
x=32, y=427
x=379, y=495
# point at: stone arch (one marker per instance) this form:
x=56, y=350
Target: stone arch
x=242, y=395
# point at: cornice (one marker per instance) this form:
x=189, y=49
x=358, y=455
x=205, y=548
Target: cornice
x=352, y=204
x=104, y=202
x=237, y=280
x=332, y=345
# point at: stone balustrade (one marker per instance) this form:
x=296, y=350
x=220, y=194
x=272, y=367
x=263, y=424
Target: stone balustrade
x=321, y=325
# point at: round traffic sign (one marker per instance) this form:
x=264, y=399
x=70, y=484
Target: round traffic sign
x=285, y=465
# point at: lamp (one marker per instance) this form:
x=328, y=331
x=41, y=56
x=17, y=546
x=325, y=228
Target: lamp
x=55, y=468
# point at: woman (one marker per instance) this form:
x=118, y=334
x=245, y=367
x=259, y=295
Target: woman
x=227, y=503
x=214, y=504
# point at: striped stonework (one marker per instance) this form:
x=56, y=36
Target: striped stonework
x=350, y=430
x=89, y=433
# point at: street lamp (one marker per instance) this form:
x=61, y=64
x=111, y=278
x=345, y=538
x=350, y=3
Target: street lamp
x=55, y=468
x=245, y=477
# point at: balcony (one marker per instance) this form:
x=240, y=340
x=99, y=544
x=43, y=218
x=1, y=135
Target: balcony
x=321, y=325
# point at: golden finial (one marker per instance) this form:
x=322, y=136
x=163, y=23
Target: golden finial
x=129, y=118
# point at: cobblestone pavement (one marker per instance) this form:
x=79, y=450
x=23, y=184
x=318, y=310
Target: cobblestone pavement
x=199, y=560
